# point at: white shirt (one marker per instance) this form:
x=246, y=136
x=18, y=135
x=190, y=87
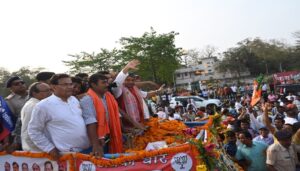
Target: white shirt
x=153, y=107
x=146, y=110
x=26, y=112
x=289, y=120
x=237, y=106
x=297, y=103
x=233, y=88
x=176, y=116
x=55, y=123
x=264, y=87
x=161, y=115
x=117, y=91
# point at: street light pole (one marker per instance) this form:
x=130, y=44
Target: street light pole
x=174, y=81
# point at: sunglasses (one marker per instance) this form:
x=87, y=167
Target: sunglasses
x=18, y=83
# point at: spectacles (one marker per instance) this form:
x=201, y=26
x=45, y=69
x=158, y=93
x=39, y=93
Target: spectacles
x=18, y=83
x=67, y=84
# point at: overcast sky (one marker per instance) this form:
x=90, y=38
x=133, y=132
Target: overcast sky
x=39, y=33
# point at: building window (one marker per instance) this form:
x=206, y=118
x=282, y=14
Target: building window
x=186, y=74
x=200, y=62
x=178, y=75
x=209, y=70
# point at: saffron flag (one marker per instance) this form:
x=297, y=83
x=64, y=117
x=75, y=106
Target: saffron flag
x=6, y=120
x=257, y=90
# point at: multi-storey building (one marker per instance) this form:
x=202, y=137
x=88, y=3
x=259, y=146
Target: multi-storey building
x=195, y=76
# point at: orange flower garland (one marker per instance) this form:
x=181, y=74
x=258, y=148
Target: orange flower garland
x=159, y=131
x=138, y=156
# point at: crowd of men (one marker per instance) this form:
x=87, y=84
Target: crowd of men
x=60, y=113
x=92, y=114
x=261, y=137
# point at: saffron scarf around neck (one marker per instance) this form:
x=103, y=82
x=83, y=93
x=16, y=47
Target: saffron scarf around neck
x=131, y=102
x=113, y=128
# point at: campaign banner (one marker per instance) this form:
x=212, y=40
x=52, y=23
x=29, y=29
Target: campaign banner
x=19, y=163
x=182, y=161
x=286, y=77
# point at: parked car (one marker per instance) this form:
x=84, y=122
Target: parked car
x=199, y=101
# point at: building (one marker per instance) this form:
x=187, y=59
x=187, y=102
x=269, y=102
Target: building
x=198, y=76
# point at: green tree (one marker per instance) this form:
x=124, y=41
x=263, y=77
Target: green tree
x=297, y=36
x=91, y=62
x=270, y=54
x=235, y=61
x=26, y=73
x=259, y=56
x=157, y=52
x=4, y=75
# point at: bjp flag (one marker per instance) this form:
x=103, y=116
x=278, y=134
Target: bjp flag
x=257, y=90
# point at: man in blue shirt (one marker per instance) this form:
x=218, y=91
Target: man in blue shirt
x=251, y=154
x=230, y=147
x=264, y=136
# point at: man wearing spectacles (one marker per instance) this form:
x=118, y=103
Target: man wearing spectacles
x=18, y=96
x=37, y=92
x=16, y=101
x=60, y=116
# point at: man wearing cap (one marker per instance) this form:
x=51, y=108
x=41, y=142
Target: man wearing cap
x=282, y=155
x=16, y=101
x=264, y=136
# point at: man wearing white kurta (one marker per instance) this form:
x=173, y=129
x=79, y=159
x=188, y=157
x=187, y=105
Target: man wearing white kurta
x=57, y=124
x=37, y=92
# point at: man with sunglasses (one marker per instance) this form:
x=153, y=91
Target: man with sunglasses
x=18, y=96
x=15, y=101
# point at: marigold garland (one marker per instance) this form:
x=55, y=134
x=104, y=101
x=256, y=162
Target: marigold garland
x=138, y=156
x=160, y=131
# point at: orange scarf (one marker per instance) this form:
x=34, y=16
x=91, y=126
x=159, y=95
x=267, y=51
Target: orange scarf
x=114, y=126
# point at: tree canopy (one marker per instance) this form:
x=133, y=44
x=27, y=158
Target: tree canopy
x=260, y=56
x=158, y=54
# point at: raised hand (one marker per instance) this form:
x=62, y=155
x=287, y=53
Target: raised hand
x=267, y=107
x=161, y=88
x=132, y=65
